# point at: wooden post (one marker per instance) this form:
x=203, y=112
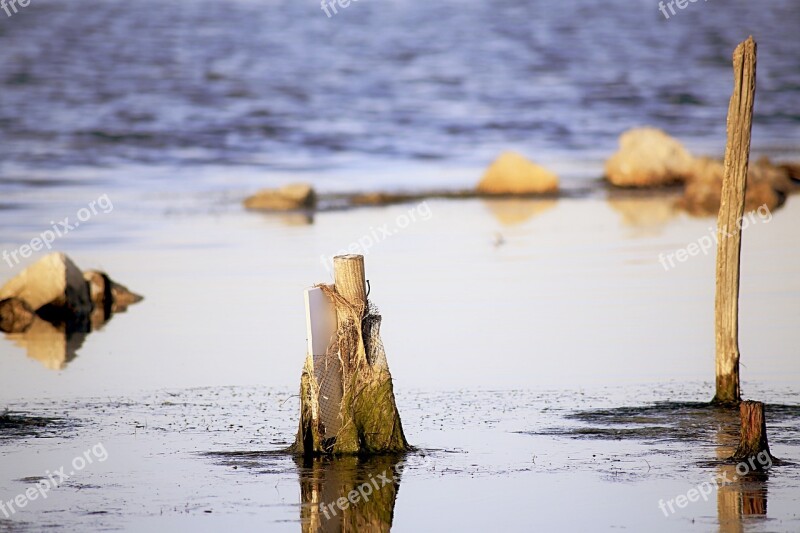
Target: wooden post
x=355, y=414
x=350, y=283
x=734, y=186
x=350, y=280
x=753, y=435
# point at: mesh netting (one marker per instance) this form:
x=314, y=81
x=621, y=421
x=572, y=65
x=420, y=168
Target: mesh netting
x=371, y=328
x=328, y=372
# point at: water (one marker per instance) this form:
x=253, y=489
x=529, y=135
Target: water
x=526, y=372
x=547, y=368
x=233, y=87
x=201, y=459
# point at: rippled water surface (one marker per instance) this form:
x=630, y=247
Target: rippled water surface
x=550, y=372
x=276, y=85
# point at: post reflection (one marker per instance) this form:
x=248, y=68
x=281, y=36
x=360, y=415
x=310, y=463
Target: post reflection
x=742, y=493
x=346, y=494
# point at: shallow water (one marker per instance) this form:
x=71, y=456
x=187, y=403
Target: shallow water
x=529, y=341
x=564, y=292
x=205, y=459
x=550, y=372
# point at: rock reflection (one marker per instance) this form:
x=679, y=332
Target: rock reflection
x=514, y=211
x=296, y=219
x=53, y=345
x=647, y=215
x=348, y=493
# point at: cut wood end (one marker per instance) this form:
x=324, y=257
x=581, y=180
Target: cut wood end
x=349, y=257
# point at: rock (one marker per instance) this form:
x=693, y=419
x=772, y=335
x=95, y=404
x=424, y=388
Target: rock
x=108, y=294
x=53, y=282
x=287, y=198
x=50, y=307
x=380, y=198
x=15, y=315
x=793, y=170
x=108, y=297
x=767, y=185
x=54, y=289
x=511, y=173
x=779, y=177
x=648, y=157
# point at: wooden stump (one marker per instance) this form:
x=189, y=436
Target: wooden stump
x=368, y=421
x=737, y=155
x=753, y=436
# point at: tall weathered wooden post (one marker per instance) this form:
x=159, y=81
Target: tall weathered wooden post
x=734, y=185
x=347, y=403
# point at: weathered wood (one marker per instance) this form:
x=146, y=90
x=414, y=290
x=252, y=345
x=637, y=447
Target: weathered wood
x=350, y=280
x=350, y=283
x=368, y=421
x=753, y=436
x=737, y=155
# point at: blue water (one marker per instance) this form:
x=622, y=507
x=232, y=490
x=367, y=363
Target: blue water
x=135, y=89
x=502, y=318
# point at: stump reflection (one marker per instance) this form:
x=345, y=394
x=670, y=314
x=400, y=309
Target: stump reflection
x=739, y=497
x=349, y=493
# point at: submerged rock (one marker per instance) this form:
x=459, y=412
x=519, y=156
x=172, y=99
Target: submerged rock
x=287, y=198
x=648, y=157
x=108, y=297
x=511, y=173
x=107, y=293
x=767, y=185
x=793, y=171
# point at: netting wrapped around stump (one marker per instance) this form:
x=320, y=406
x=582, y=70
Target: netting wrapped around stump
x=328, y=373
x=347, y=397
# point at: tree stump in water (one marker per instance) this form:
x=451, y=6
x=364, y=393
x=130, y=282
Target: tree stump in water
x=368, y=421
x=753, y=437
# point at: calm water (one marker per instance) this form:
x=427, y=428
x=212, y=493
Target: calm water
x=529, y=340
x=496, y=350
x=200, y=460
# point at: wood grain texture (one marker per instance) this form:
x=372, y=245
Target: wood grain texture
x=737, y=155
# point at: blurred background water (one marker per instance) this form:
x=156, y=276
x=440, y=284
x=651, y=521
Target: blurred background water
x=218, y=93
